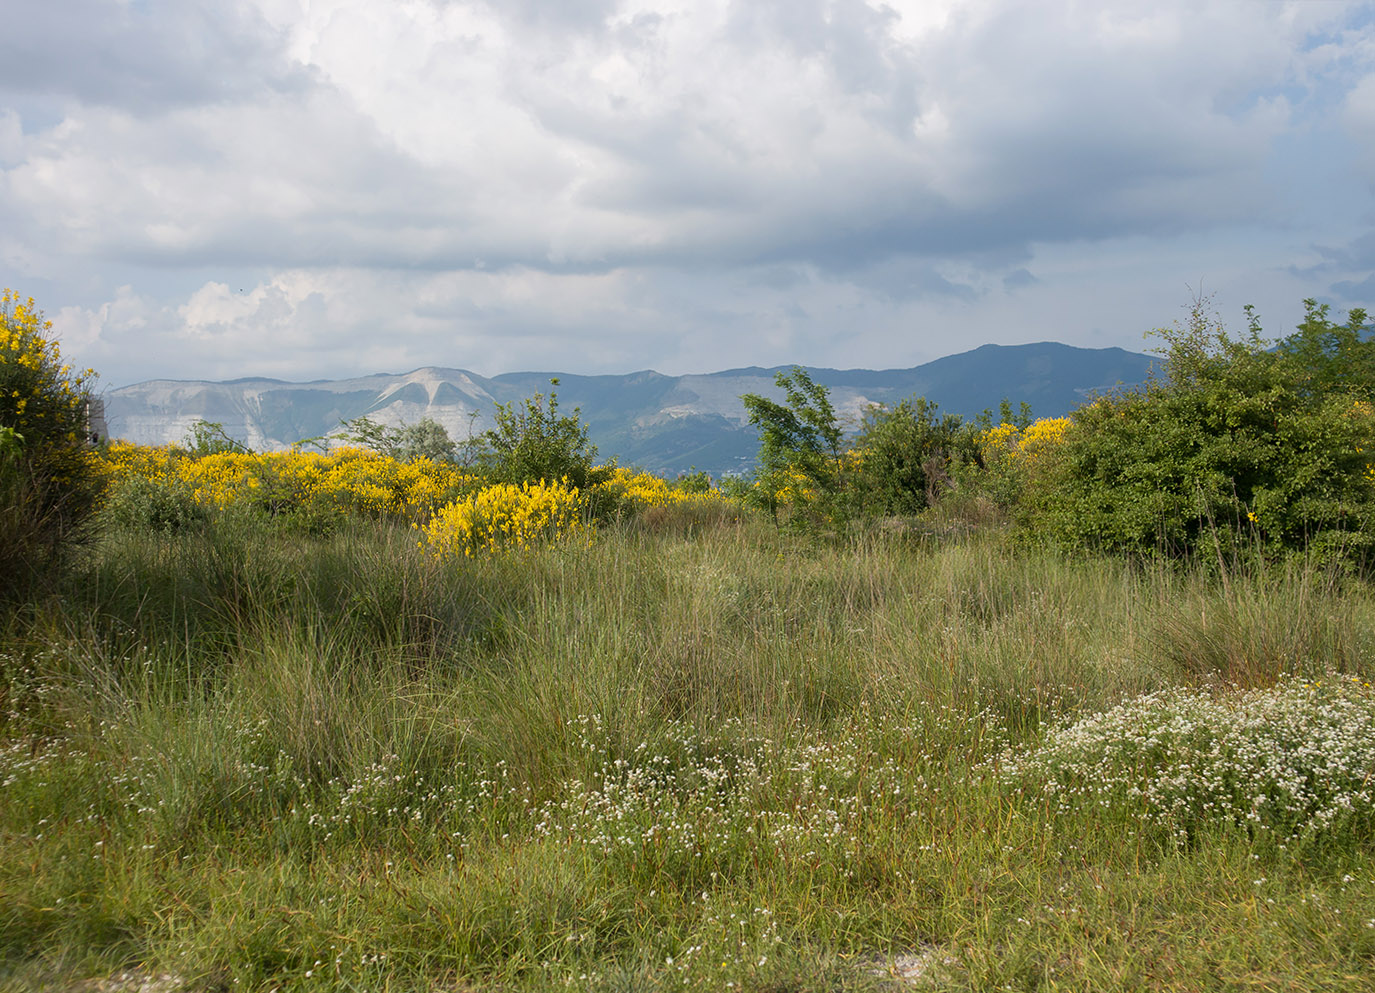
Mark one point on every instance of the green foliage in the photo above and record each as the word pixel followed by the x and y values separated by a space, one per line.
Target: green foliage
pixel 49 483
pixel 164 505
pixel 735 488
pixel 1021 419
pixel 367 433
pixel 802 438
pixel 1242 446
pixel 908 456
pixel 210 438
pixel 696 481
pixel 1326 357
pixel 11 446
pixel 426 439
pixel 532 441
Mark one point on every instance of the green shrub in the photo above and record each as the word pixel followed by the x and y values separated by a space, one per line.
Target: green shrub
pixel 907 457
pixel 49 481
pixel 1243 447
pixel 800 450
pixel 533 441
pixel 164 504
pixel 426 439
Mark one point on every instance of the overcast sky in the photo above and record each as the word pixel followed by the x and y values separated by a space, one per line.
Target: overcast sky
pixel 309 189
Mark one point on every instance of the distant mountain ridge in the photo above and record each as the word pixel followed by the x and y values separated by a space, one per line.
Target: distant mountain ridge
pixel 666 424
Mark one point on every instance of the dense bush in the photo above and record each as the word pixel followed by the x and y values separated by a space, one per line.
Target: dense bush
pixel 1241 446
pixel 161 504
pixel 906 457
pixel 533 442
pixel 505 517
pixel 49 482
pixel 903 459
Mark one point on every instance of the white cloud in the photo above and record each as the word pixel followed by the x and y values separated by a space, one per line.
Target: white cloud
pixel 291 186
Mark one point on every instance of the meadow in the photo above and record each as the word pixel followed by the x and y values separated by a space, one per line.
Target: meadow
pixel 683 755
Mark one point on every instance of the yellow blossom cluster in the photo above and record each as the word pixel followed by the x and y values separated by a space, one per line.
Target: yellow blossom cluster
pixel 790 487
pixel 40 398
pixel 348 480
pixel 631 492
pixel 459 513
pixel 637 490
pixel 1006 442
pixel 505 517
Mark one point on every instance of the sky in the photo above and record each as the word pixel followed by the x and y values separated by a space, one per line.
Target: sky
pixel 308 189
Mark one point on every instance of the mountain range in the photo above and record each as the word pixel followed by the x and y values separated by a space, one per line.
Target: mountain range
pixel 666 424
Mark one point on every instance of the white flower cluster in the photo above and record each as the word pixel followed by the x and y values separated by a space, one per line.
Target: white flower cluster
pixel 699 802
pixel 1294 761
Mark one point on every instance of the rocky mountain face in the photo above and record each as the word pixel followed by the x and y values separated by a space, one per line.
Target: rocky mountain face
pixel 666 424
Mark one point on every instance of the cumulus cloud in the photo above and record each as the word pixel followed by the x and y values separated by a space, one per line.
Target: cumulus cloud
pixel 624 182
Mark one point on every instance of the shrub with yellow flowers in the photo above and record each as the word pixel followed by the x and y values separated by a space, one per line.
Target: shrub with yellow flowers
pixel 379 486
pixel 506 517
pixel 628 492
pixel 146 490
pixel 49 484
pixel 1038 442
pixel 687 505
pixel 167 487
pixel 1020 457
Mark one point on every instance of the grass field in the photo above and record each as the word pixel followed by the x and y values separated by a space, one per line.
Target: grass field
pixel 727 758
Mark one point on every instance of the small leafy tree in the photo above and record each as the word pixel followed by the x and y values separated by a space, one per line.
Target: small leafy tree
pixel 802 438
pixel 367 433
pixel 532 441
pixel 210 438
pixel 49 480
pixel 693 481
pixel 1325 357
pixel 426 439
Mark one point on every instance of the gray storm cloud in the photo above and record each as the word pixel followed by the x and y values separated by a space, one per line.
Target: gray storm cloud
pixel 840 180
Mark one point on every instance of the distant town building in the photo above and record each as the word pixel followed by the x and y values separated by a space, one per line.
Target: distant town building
pixel 96 428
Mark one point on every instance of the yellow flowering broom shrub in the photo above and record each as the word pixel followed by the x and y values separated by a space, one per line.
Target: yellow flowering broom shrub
pixel 145 488
pixel 1038 442
pixel 658 504
pixel 1019 458
pixel 629 492
pixel 49 483
pixel 167 487
pixel 507 517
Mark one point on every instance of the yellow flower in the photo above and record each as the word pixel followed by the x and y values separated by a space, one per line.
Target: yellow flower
pixel 507 517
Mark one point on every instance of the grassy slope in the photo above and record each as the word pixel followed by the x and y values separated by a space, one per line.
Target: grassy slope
pixel 656 762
